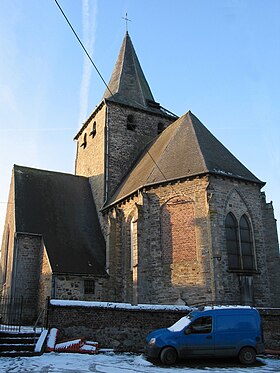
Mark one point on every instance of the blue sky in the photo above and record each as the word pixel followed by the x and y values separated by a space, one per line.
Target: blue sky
pixel 217 58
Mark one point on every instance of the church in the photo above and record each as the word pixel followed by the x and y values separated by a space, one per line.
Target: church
pixel 158 212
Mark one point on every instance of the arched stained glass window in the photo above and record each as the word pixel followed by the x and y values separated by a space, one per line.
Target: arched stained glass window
pixel 247 251
pixel 232 242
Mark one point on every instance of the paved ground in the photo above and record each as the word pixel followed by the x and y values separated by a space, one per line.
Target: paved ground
pixel 110 362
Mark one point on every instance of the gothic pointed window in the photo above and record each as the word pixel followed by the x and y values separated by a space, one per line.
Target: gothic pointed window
pixel 247 252
pixel 239 243
pixel 232 242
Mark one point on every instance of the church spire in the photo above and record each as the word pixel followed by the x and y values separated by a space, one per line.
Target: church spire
pixel 128 84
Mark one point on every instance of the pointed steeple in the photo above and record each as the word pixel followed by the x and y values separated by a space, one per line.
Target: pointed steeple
pixel 128 84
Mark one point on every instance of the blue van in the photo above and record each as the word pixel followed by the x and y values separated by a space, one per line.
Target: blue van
pixel 218 331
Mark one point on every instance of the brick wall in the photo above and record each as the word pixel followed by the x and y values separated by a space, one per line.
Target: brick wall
pixel 186 276
pixel 126 329
pixel 181 244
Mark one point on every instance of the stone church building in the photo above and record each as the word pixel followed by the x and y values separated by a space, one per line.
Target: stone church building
pixel 158 211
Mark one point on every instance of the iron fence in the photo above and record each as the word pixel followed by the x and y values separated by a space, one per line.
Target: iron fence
pixel 11 313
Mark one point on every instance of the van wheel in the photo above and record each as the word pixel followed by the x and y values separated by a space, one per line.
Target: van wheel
pixel 247 356
pixel 168 356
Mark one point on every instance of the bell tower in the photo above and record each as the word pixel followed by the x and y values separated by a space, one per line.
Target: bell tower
pixel 120 127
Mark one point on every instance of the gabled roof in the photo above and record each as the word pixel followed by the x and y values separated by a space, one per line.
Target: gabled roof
pixel 186 148
pixel 60 207
pixel 128 84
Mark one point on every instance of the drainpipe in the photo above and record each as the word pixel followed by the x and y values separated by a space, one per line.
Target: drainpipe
pixel 106 140
pixel 212 258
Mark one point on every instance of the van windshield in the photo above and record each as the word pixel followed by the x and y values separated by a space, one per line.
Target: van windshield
pixel 180 324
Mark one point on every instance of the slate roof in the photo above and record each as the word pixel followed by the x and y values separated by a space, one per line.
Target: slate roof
pixel 128 84
pixel 184 149
pixel 60 207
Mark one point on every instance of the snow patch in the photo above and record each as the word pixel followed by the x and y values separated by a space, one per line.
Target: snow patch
pixel 180 324
pixel 52 337
pixel 41 340
pixel 123 306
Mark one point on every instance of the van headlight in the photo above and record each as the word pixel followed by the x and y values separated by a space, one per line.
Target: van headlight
pixel 152 342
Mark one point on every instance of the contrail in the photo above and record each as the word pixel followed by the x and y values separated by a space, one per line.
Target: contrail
pixel 89 30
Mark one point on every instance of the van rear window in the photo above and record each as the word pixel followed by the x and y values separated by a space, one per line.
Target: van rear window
pixel 236 323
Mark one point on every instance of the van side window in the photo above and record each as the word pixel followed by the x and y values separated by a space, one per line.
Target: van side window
pixel 202 325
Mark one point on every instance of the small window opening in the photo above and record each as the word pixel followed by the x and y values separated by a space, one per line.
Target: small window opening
pixel 130 124
pixel 84 144
pixel 93 132
pixel 89 286
pixel 160 127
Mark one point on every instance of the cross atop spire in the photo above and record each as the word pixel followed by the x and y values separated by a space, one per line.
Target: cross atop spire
pixel 128 84
pixel 126 20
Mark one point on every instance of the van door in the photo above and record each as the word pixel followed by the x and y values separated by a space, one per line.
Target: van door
pixel 198 338
pixel 234 331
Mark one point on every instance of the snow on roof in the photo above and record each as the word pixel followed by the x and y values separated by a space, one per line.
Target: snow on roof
pixel 207 308
pixel 126 306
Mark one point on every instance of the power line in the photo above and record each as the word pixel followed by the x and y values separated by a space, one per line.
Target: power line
pixel 82 45
pixel 103 80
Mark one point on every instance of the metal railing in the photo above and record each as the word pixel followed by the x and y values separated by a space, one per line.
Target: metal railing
pixel 11 314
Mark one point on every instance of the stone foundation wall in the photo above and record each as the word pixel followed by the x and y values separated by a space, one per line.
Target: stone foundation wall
pixel 126 329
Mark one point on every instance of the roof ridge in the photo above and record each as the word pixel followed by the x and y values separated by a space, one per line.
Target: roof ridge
pixel 122 63
pixel 138 79
pixel 190 115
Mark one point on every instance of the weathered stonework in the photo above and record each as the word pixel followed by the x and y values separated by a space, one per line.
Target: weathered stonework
pixel 166 237
pixel 72 287
pixel 227 195
pixel 7 248
pixel 185 277
pixel 194 268
pixel 126 329
pixel 108 156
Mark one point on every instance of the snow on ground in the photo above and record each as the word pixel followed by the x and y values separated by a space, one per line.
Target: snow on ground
pixel 109 362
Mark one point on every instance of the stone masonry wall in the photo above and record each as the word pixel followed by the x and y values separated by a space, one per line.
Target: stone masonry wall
pixel 72 287
pixel 45 282
pixel 126 145
pixel 7 248
pixel 126 329
pixel 26 272
pixel 272 251
pixel 186 277
pixel 111 152
pixel 90 161
pixel 120 329
pixel 227 195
